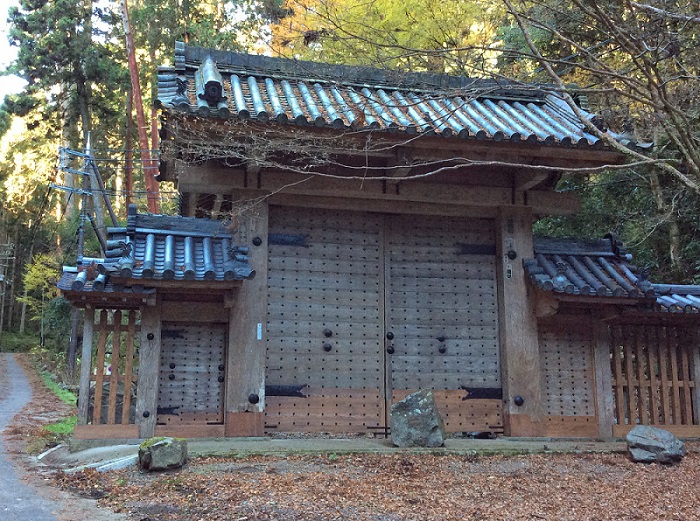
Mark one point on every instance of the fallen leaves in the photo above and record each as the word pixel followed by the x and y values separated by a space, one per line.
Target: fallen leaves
pixel 394 487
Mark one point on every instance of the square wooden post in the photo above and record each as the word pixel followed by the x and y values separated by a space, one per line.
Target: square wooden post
pixel 603 379
pixel 149 367
pixel 694 339
pixel 245 388
pixel 85 367
pixel 521 374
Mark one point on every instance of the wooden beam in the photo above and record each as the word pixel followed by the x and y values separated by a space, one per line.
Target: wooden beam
pixel 520 355
pixel 694 341
pixel 85 366
pixel 195 286
pixel 247 322
pixel 200 179
pixel 196 312
pixel 401 165
pixel 552 203
pixel 216 208
pixel 383 143
pixel 528 179
pixel 603 379
pixel 369 205
pixel 191 203
pixel 546 304
pixel 149 367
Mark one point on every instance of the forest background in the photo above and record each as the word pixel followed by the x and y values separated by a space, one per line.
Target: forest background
pixel 633 64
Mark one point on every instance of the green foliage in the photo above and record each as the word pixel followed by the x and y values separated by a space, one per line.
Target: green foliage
pixel 16 343
pixel 62 393
pixel 63 428
pixel 57 324
pixel 624 204
pixel 450 36
pixel 46 308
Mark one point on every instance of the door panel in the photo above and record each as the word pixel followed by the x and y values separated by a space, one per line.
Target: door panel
pixel 325 369
pixel 442 311
pixel 357 277
pixel 192 369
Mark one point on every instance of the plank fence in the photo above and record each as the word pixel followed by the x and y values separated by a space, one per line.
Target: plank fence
pixel 655 376
pixel 109 378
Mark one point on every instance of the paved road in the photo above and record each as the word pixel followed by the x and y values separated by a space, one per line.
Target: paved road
pixel 18 501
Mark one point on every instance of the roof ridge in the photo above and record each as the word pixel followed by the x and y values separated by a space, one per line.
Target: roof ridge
pixel 231 62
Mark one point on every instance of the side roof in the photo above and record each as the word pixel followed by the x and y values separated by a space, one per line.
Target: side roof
pixel 228 85
pixel 600 270
pixel 153 248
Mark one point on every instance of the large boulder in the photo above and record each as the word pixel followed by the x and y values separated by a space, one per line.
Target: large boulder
pixel 416 422
pixel 647 444
pixel 162 454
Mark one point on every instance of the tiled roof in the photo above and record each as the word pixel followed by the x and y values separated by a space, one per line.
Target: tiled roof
pixel 233 85
pixel 159 247
pixel 677 298
pixel 602 268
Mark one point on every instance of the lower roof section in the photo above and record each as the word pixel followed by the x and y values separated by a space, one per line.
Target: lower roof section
pixel 160 251
pixel 601 270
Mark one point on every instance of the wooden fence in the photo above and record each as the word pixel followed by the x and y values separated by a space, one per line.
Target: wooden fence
pixel 108 379
pixel 655 372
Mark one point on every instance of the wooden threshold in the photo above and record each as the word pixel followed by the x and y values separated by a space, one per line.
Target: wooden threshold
pixel 94 432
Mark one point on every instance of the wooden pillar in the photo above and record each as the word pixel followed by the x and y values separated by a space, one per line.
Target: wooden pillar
pixel 245 388
pixel 521 374
pixel 603 379
pixel 149 367
pixel 85 367
pixel 694 339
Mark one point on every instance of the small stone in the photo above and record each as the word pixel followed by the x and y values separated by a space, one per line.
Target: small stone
pixel 162 454
pixel 416 422
pixel 647 444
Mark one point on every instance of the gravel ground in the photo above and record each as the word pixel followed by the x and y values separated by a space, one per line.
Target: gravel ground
pixel 403 487
pixel 366 487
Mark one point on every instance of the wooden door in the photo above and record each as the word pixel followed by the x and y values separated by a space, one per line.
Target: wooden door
pixel 442 317
pixel 339 283
pixel 325 367
pixel 192 370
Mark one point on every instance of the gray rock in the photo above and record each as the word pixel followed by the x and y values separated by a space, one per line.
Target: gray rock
pixel 162 454
pixel 416 422
pixel 647 444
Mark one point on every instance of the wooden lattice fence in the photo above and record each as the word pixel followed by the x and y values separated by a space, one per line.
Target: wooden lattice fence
pixel 655 377
pixel 109 378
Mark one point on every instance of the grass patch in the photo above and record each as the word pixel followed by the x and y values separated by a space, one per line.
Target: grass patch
pixel 64 427
pixel 64 394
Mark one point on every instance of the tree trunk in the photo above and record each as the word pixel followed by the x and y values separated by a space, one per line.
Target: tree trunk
pixel 129 163
pixel 150 167
pixel 15 281
pixel 670 217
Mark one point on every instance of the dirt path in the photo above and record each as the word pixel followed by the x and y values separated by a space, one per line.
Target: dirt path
pixel 18 500
pixel 25 491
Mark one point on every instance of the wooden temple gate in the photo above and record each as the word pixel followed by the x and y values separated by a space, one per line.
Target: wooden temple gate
pixel 366 308
pixel 109 379
pixel 655 374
